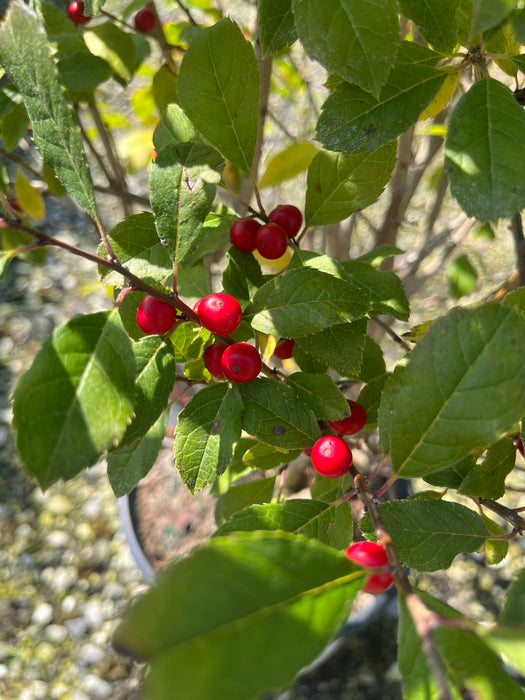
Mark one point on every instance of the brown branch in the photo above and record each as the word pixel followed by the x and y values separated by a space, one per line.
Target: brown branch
pixel 516 226
pixel 508 514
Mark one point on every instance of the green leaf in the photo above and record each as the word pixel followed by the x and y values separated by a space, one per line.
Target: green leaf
pixel 115 46
pixel 193 282
pixel 487 480
pixel 353 120
pixel 428 534
pixel 299 516
pixel 349 39
pixel 214 236
pixel 280 596
pixel 155 367
pixel 273 413
pixel 242 276
pixel 241 495
pixel 76 399
pixel 208 427
pixel 462 277
pixel 164 90
pixel 173 128
pixel 287 164
pixel 302 301
pixel 93 7
pixel 307 362
pixel 81 70
pixel 341 347
pixel 137 246
pixel 183 187
pixel 339 184
pixel 472 668
pixel 487 14
pixel 451 477
pixel 14 125
pixel 484 148
pixel 436 21
pixel 276 25
pixel 132 461
pixel 370 398
pixel 219 60
pixel 386 289
pixel 496 549
pixel 513 611
pixel 518 26
pixel 56 132
pixel 455 395
pixel 319 393
pixel 378 255
pixel 263 456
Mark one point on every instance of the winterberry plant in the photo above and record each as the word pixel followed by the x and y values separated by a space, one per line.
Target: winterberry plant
pixel 405 152
pixel 145 20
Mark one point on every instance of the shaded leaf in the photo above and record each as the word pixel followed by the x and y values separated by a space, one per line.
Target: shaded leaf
pixel 276 25
pixel 263 456
pixel 436 21
pixel 319 392
pixel 387 294
pixel 462 277
pixel 489 13
pixel 241 495
pixel 341 347
pixel 242 276
pixel 76 399
pixel 487 479
pixel 82 70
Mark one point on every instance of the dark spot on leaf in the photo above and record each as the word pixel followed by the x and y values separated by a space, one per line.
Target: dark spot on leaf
pixel 279 429
pixel 318 187
pixel 370 129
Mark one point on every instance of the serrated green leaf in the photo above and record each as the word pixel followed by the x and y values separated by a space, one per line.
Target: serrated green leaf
pixel 487 480
pixel 76 399
pixel 214 236
pixel 436 21
pixel 155 367
pixel 273 413
pixel 183 187
pixel 299 516
pixel 302 301
pixel 137 246
pixel 349 38
pixel 341 347
pixel 242 495
pixel 339 184
pixel 353 120
pixel 319 392
pixel 207 429
pixel 370 398
pixel 288 164
pixel 219 60
pixel 462 277
pixel 428 534
pixel 131 462
pixel 484 148
pixel 115 46
pixel 276 25
pixel 387 294
pixel 56 132
pixel 232 594
pixel 455 395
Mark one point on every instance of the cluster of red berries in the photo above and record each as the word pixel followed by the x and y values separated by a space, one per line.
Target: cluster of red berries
pixel 331 455
pixel 371 555
pixel 145 19
pixel 271 238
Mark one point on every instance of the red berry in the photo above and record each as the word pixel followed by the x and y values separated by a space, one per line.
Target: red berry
pixel 352 423
pixel 219 313
pixel 75 12
pixel 308 451
pixel 241 362
pixel 271 241
pixel 371 555
pixel 288 217
pixel 519 446
pixel 284 349
pixel 154 316
pixel 331 456
pixel 145 20
pixel 242 234
pixel 212 359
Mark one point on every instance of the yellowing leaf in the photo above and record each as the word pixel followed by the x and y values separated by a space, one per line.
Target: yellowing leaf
pixel 287 164
pixel 278 264
pixel 136 148
pixel 29 198
pixel 442 98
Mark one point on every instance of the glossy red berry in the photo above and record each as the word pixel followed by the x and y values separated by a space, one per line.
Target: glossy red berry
pixel 145 20
pixel 219 313
pixel 331 456
pixel 352 423
pixel 242 234
pixel 75 12
pixel 154 316
pixel 212 359
pixel 371 555
pixel 271 241
pixel 284 349
pixel 241 362
pixel 288 217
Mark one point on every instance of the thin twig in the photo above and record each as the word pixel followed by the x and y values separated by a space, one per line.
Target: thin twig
pixel 516 226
